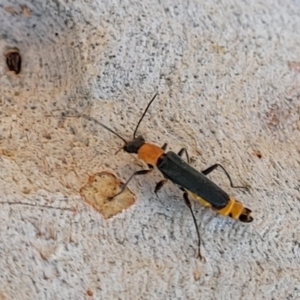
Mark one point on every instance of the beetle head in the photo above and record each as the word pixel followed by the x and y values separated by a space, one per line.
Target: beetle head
pixel 134 145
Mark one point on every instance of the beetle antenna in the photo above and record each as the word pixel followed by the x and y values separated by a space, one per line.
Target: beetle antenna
pixel 104 126
pixel 139 122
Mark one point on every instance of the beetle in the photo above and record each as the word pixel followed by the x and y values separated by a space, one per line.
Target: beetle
pixel 180 172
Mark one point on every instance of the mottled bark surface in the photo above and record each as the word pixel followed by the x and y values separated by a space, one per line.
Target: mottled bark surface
pixel 227 74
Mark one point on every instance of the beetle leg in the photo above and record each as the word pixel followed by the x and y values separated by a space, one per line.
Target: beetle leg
pixel 164 146
pixel 189 205
pixel 212 168
pixel 183 150
pixel 159 185
pixel 140 172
